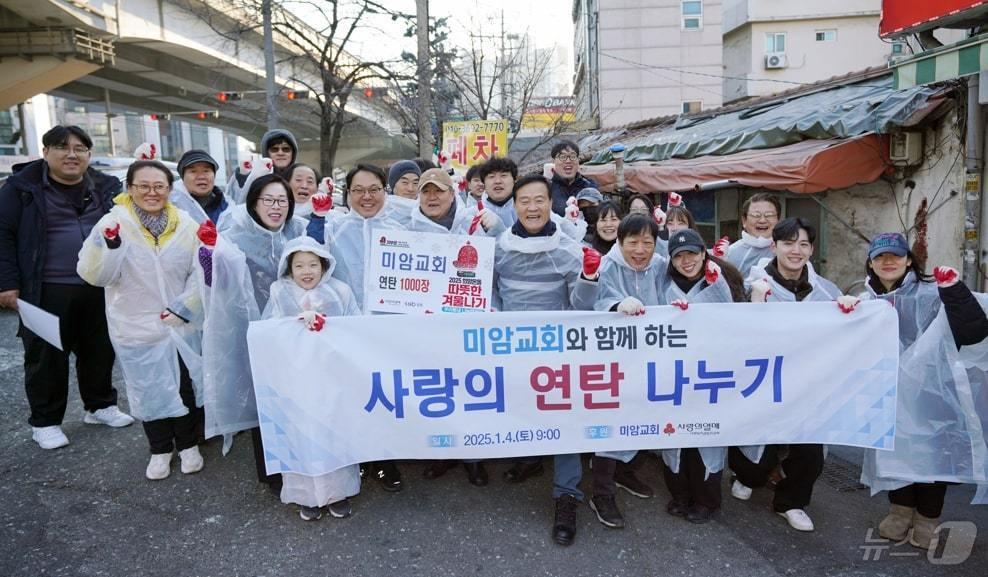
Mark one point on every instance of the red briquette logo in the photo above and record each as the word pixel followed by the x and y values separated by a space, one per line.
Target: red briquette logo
pixel 669 429
pixel 384 240
pixel 467 257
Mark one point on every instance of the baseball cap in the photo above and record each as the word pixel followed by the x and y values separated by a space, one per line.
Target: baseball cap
pixel 436 176
pixel 686 239
pixel 591 194
pixel 892 242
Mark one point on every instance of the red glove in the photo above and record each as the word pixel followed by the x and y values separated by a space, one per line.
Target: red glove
pixel 675 199
pixel 712 272
pixel 572 210
pixel 681 303
pixel 111 235
pixel 591 262
pixel 442 158
pixel 720 247
pixel 462 185
pixel 246 166
pixel 476 217
pixel 207 233
pixel 312 320
pixel 946 276
pixel 322 203
pixel 659 217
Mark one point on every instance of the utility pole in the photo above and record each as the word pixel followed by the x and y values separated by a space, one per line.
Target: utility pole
pixel 424 79
pixel 271 90
pixel 504 73
pixel 109 122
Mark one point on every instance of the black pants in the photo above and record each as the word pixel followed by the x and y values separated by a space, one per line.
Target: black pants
pixel 166 435
pixel 802 467
pixel 926 498
pixel 605 471
pixel 262 472
pixel 82 314
pixel 688 485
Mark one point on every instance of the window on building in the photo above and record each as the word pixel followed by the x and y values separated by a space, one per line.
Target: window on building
pixel 775 42
pixel 826 35
pixel 898 48
pixel 692 106
pixel 692 14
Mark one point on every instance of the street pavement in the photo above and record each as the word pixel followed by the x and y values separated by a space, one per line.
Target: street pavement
pixel 87 510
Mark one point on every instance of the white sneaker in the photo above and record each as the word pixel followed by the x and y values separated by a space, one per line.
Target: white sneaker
pixel 740 491
pixel 159 467
pixel 798 519
pixel 49 437
pixel 110 416
pixel 191 460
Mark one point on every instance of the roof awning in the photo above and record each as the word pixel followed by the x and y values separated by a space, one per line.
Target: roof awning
pixel 804 167
pixel 969 56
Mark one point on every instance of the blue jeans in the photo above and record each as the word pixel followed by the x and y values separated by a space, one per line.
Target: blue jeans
pixel 567 473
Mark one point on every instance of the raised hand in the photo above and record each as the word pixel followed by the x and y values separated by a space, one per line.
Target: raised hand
pixel 720 247
pixel 111 234
pixel 591 262
pixel 945 276
pixel 712 272
pixel 675 199
pixel 659 217
pixel 322 203
pixel 572 210
pixel 207 233
pixel 760 289
pixel 631 307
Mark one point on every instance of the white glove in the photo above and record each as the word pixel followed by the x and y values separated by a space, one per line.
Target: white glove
pixel 659 217
pixel 146 151
pixel 846 303
pixel 171 319
pixel 572 210
pixel 488 219
pixel 760 289
pixel 312 320
pixel 631 307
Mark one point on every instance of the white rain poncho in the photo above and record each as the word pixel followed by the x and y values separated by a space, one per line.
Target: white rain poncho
pixel 823 291
pixel 142 279
pixel 577 231
pixel 461 223
pixel 541 273
pixel 229 305
pixel 349 240
pixel 942 400
pixel 182 199
pixel 331 298
pixel 748 251
pixel 618 280
pixel 261 246
pixel 720 292
pixel 400 209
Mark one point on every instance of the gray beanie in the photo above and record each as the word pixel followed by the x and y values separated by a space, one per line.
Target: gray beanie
pixel 401 168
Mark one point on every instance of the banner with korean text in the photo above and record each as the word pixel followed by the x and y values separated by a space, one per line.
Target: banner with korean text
pixel 509 384
pixel 471 142
pixel 424 272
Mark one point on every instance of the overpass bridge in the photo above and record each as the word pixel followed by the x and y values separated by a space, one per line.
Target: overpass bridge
pixel 174 57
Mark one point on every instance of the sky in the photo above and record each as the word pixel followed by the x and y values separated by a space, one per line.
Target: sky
pixel 548 22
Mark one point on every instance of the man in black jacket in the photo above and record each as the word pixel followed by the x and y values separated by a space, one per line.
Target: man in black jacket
pixel 47 209
pixel 566 178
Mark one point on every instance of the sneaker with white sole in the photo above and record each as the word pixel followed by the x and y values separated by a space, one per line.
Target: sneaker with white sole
pixel 798 519
pixel 340 509
pixel 49 437
pixel 159 467
pixel 191 460
pixel 740 491
pixel 110 416
pixel 310 513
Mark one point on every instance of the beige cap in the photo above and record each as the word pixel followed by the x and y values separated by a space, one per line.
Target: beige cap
pixel 436 176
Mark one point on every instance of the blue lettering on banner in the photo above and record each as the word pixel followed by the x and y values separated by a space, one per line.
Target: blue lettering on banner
pixel 597 432
pixel 713 381
pixel 762 365
pixel 435 390
pixel 441 441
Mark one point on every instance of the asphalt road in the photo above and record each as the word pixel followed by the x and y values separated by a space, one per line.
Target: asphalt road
pixel 87 510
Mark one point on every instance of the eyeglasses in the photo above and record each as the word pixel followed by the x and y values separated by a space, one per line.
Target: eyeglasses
pixel 372 191
pixel 761 215
pixel 63 149
pixel 282 148
pixel 270 201
pixel 567 157
pixel 158 188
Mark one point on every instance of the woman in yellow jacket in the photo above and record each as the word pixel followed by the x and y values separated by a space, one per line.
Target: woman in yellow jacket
pixel 144 253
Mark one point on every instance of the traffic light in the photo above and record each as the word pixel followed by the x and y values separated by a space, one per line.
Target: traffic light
pixel 297 94
pixel 157 117
pixel 375 92
pixel 368 92
pixel 229 96
pixel 203 115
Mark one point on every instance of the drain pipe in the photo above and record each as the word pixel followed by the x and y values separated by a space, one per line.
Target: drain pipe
pixel 972 186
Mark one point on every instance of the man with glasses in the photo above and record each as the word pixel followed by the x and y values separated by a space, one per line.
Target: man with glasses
pixel 760 213
pixel 48 207
pixel 566 178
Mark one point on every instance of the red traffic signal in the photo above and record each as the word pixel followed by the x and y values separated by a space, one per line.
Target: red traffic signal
pixel 157 117
pixel 369 92
pixel 297 94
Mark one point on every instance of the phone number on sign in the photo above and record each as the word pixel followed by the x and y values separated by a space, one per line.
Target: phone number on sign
pixel 522 436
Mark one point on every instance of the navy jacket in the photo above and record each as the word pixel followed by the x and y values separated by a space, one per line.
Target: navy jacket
pixel 560 191
pixel 23 223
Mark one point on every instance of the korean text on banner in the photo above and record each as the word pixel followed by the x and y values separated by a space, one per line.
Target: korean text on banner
pixel 422 272
pixel 511 384
pixel 474 141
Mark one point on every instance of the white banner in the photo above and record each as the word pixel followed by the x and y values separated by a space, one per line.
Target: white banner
pixel 417 272
pixel 511 384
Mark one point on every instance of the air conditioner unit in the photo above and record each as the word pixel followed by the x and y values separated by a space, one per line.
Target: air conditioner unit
pixel 776 60
pixel 906 148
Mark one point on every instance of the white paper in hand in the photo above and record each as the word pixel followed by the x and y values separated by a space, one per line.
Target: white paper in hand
pixel 40 322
